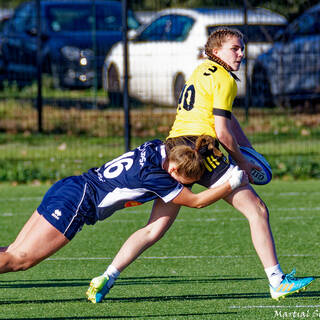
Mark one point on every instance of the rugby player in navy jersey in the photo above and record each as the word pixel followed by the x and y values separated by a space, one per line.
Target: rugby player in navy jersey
pixel 146 173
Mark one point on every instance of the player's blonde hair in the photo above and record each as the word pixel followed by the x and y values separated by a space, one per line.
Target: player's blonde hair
pixel 219 36
pixel 188 159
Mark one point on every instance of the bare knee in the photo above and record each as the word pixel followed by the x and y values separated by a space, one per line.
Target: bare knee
pixel 260 211
pixel 12 262
pixel 155 233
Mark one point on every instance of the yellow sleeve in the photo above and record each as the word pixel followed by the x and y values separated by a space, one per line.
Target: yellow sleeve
pixel 224 92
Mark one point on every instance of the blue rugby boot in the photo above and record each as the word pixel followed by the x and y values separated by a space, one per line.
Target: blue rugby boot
pixel 290 285
pixel 98 289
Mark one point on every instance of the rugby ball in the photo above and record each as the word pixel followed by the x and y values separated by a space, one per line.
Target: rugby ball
pixel 261 177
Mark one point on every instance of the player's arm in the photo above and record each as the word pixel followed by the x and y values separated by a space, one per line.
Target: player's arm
pixel 238 133
pixel 225 135
pixel 202 199
pixel 228 140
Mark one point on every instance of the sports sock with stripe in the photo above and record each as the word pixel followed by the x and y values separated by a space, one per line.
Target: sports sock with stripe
pixel 275 275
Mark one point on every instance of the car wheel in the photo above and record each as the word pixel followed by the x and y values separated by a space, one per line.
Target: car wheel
pixel 261 89
pixel 113 86
pixel 178 84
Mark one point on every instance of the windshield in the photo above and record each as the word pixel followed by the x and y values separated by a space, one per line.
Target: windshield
pixel 83 18
pixel 167 28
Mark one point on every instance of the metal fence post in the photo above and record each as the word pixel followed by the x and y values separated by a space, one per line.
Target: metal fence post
pixel 126 103
pixel 248 90
pixel 39 67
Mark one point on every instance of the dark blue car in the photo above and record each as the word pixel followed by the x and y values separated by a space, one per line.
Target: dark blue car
pixel 76 36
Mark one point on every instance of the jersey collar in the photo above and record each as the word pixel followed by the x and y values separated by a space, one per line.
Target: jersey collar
pixel 163 154
pixel 223 64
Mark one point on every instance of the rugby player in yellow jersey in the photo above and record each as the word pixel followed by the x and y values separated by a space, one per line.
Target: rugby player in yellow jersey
pixel 205 107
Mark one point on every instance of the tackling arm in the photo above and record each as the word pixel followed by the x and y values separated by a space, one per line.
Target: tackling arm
pixel 202 199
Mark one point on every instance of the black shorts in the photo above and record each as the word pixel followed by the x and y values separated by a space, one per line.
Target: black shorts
pixel 216 163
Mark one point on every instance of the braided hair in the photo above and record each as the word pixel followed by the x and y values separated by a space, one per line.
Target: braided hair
pixel 189 158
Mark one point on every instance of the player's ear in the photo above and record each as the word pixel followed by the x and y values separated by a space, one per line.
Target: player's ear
pixel 172 169
pixel 215 51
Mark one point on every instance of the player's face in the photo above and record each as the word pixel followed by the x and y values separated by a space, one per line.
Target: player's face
pixel 180 178
pixel 231 52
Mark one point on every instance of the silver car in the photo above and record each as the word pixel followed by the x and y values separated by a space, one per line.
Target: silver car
pixel 289 72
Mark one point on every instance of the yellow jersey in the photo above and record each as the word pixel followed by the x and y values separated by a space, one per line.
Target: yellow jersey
pixel 209 91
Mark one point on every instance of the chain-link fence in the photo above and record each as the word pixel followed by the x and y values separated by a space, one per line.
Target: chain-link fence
pixel 65 66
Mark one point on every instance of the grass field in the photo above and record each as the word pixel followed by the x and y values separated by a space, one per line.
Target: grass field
pixel 204 268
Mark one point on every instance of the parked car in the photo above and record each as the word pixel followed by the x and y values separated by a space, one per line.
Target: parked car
pixel 165 51
pixel 76 36
pixel 5 15
pixel 289 72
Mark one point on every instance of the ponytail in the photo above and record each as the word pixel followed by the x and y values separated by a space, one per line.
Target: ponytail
pixel 189 157
pixel 206 145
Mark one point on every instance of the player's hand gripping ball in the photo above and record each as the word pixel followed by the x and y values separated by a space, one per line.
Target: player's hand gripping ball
pixel 261 177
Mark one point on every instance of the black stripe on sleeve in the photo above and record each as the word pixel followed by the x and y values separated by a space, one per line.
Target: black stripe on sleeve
pixel 221 112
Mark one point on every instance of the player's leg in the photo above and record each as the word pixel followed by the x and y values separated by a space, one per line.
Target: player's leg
pixel 37 240
pixel 28 226
pixel 161 218
pixel 253 208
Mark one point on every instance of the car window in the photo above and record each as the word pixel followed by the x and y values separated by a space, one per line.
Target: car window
pixel 307 24
pixel 20 22
pixel 167 28
pixel 82 18
pixel 256 33
pixel 133 23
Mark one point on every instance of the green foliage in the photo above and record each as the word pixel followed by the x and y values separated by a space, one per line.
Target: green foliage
pixel 29 158
pixel 25 159
pixel 293 168
pixel 28 171
pixel 76 140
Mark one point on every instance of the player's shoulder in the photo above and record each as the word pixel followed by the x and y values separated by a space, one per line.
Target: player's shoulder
pixel 155 143
pixel 210 69
pixel 150 152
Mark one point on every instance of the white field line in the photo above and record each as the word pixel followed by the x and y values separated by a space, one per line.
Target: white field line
pixel 178 257
pixel 22 199
pixel 274 307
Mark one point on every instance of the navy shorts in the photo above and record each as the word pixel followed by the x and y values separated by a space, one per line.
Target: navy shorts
pixel 67 205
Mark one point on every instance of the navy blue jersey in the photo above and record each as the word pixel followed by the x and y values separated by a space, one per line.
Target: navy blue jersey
pixel 132 179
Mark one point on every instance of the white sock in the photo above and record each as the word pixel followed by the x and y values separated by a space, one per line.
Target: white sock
pixel 113 273
pixel 275 275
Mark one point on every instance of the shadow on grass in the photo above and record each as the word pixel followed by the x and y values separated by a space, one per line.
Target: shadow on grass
pixel 162 280
pixel 165 280
pixel 189 297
